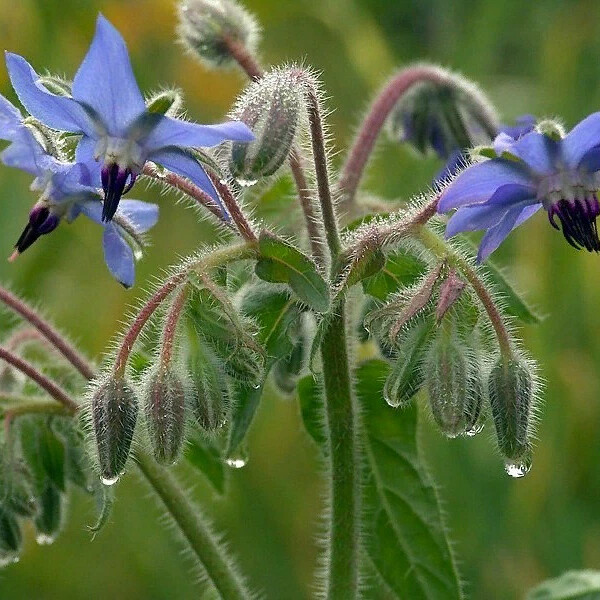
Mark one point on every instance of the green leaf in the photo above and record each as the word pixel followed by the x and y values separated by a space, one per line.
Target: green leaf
pixel 515 305
pixel 311 409
pixel 400 270
pixel 246 401
pixel 281 262
pixel 205 456
pixel 572 585
pixel 407 545
pixel 352 269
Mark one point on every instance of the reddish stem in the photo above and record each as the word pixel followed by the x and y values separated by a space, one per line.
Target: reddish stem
pixel 68 351
pixel 141 319
pixel 44 382
pixel 378 113
pixel 171 326
pixel 244 59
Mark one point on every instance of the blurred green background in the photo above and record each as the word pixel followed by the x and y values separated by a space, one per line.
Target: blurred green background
pixel 538 57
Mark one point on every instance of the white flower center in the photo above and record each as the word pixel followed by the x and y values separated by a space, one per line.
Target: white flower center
pixel 126 153
pixel 567 185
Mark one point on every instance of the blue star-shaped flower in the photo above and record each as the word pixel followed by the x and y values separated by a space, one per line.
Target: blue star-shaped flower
pixel 529 173
pixel 66 190
pixel 108 110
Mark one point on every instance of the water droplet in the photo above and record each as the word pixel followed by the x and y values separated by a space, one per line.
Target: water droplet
pixel 477 428
pixel 518 468
pixel 109 480
pixel 236 463
pixel 43 539
pixel 256 386
pixel 247 182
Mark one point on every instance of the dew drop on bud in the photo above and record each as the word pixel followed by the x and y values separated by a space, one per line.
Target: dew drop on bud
pixel 475 430
pixel 43 539
pixel 518 469
pixel 237 460
pixel 109 480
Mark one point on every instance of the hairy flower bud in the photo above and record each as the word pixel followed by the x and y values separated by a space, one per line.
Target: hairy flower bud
pixel 167 102
pixel 447 378
pixel 511 385
pixel 450 291
pixel 114 415
pixel 210 28
pixel 164 404
pixel 271 108
pixel 445 113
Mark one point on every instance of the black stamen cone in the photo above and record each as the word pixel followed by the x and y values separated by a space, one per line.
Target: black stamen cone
pixel 41 221
pixel 114 182
pixel 578 222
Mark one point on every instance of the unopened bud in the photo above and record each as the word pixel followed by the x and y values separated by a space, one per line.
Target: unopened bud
pixel 271 108
pixel 510 387
pixel 165 413
pixel 49 518
pixel 210 28
pixel 443 112
pixel 10 538
pixel 167 102
pixel 446 374
pixel 450 291
pixel 552 129
pixel 114 414
pixel 210 399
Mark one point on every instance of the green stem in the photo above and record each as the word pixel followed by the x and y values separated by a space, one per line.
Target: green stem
pixel 442 250
pixel 195 529
pixel 345 502
pixel 340 404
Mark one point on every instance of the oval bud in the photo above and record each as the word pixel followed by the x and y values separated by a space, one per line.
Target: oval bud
pixel 450 291
pixel 164 405
pixel 167 102
pixel 510 386
pixel 447 383
pixel 211 28
pixel 49 518
pixel 10 534
pixel 271 108
pixel 443 112
pixel 114 414
pixel 210 400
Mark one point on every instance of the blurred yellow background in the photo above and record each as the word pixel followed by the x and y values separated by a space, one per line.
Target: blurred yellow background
pixel 531 57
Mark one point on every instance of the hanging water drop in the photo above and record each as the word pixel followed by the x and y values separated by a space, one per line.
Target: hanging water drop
pixel 518 468
pixel 43 539
pixel 109 480
pixel 237 461
pixel 477 428
pixel 247 182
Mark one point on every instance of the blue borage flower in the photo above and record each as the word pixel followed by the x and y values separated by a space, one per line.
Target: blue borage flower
pixel 108 110
pixel 529 173
pixel 66 191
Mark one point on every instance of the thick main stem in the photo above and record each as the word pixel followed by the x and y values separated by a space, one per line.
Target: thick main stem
pixel 340 406
pixel 195 529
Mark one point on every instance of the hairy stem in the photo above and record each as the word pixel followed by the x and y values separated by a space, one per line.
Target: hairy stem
pixel 340 404
pixel 370 128
pixel 170 330
pixel 187 187
pixel 436 245
pixel 217 257
pixel 42 380
pixel 210 553
pixel 26 405
pixel 57 340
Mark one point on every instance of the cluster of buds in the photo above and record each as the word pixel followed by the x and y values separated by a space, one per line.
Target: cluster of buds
pixel 433 334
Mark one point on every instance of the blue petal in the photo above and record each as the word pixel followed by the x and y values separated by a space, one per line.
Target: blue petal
pixel 84 154
pixel 183 163
pixel 58 112
pixel 581 139
pixel 484 216
pixel 538 151
pixel 70 180
pixel 105 80
pixel 118 256
pixel 141 215
pixel 498 233
pixel 591 160
pixel 10 119
pixel 92 210
pixel 477 183
pixel 174 132
pixel 26 153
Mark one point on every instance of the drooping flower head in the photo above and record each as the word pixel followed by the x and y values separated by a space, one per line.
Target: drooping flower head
pixel 66 191
pixel 109 111
pixel 537 170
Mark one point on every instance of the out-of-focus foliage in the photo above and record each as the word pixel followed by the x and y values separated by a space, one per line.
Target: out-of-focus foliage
pixel 531 57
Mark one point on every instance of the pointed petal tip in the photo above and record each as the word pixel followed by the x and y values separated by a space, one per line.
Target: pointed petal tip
pixel 14 256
